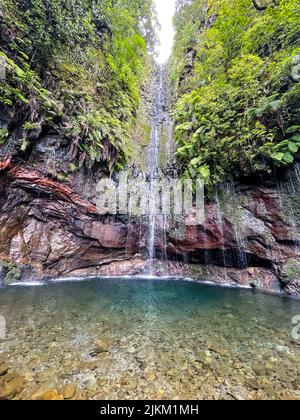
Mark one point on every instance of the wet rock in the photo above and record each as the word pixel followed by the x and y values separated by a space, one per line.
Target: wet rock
pixel 131 350
pixel 172 372
pixel 38 394
pixel 64 236
pixel 48 142
pixel 103 346
pixel 290 276
pixel 258 368
pixel 34 134
pixel 270 390
pixel 283 349
pixel 252 383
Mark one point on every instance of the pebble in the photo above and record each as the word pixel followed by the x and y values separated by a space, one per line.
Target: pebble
pixel 52 395
pixel 10 385
pixel 102 346
pixel 131 350
pixel 252 383
pixel 258 368
pixel 150 376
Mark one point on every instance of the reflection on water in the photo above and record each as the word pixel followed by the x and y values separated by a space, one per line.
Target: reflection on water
pixel 150 339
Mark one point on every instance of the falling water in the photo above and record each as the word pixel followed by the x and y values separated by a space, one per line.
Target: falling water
pixel 288 192
pixel 233 207
pixel 219 221
pixel 154 149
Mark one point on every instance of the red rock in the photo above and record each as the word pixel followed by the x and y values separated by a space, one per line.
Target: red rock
pixel 4 164
pixel 47 225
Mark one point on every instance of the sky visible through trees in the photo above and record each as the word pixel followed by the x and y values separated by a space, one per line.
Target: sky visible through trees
pixel 165 12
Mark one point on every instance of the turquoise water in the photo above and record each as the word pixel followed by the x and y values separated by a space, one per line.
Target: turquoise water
pixel 150 339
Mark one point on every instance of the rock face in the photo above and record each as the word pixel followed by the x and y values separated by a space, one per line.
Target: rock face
pixel 249 237
pixel 45 225
pixel 255 231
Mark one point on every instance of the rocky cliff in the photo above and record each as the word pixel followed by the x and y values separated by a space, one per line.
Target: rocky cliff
pixel 249 236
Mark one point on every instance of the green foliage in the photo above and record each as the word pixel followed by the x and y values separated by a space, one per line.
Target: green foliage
pixel 237 108
pixel 290 272
pixel 76 66
pixel 3 135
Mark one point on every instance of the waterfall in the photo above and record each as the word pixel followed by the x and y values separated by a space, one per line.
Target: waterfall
pixel 219 220
pixel 158 118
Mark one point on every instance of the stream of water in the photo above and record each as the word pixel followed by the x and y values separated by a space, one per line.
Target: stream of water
pixel 153 170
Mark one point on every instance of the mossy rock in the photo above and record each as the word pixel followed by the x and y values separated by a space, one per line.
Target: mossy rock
pixel 10 272
pixel 291 272
pixel 256 283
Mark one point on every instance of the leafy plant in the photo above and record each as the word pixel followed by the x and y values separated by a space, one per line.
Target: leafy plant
pixel 4 133
pixel 77 66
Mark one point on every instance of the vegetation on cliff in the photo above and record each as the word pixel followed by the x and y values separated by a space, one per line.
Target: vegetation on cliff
pixel 75 67
pixel 237 84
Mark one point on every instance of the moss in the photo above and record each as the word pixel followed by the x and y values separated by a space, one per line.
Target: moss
pixel 62 177
pixel 291 272
pixel 73 167
pixel 12 272
pixel 3 135
pixel 196 271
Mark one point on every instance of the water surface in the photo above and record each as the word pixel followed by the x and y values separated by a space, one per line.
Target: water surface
pixel 151 339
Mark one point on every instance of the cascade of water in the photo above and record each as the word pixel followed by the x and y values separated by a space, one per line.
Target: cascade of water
pixel 297 173
pixel 287 192
pixel 219 221
pixel 154 149
pixel 232 201
pixel 50 161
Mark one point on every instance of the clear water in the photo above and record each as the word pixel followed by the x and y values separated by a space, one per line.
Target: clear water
pixel 163 339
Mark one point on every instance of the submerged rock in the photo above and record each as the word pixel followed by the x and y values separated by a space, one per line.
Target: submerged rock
pixel 103 346
pixel 69 391
pixel 11 385
pixel 150 376
pixel 52 395
pixel 4 367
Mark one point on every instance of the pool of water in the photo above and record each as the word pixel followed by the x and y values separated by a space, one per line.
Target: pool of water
pixel 149 339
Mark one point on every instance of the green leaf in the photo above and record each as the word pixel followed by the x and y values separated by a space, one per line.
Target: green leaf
pixel 184 127
pixel 293 129
pixel 281 145
pixel 288 157
pixel 278 156
pixel 275 105
pixel 296 138
pixel 204 171
pixel 195 162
